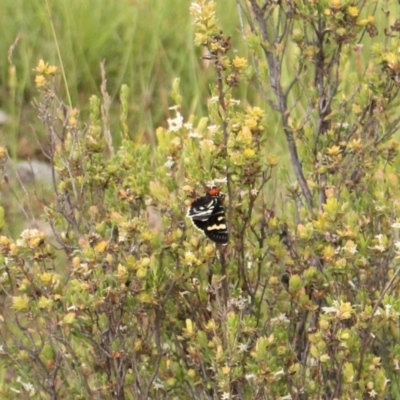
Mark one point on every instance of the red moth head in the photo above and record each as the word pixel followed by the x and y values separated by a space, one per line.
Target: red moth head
pixel 215 191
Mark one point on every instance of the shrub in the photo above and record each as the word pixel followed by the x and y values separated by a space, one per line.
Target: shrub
pixel 131 302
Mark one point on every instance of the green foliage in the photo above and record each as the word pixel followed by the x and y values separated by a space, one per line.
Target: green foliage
pixel 146 57
pixel 301 304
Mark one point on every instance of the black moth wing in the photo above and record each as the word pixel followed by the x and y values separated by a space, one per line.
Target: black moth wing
pixel 215 228
pixel 208 215
pixel 203 208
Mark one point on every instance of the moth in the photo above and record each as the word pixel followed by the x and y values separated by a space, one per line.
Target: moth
pixel 208 215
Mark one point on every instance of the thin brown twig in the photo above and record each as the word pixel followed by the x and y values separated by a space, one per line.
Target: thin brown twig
pixel 274 66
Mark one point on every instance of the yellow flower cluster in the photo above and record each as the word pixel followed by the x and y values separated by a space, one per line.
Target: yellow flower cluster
pixel 31 238
pixel 244 143
pixel 392 60
pixel 7 247
pixel 43 70
pixel 239 63
pixel 205 21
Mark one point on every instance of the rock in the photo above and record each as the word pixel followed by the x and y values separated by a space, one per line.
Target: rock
pixel 3 117
pixel 32 172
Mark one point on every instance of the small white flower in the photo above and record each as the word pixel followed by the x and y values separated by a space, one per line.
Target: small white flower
pixel 176 123
pixel 332 309
pixel 169 163
pixel 372 393
pixel 158 385
pixel 195 282
pixel 378 247
pixel 243 347
pixel 250 376
pixel 30 233
pixel 235 101
pixel 188 126
pixel 387 309
pixel 343 125
pixel 225 396
pixel 220 180
pixel 212 128
pixel 281 318
pixel 254 192
pixel 241 303
pixel 27 386
pixel 72 308
pixel 121 238
pixel 329 310
pixel 195 135
pixel 352 250
pixel 396 225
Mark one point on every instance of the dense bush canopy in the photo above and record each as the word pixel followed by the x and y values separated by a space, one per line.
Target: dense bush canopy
pixel 126 300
